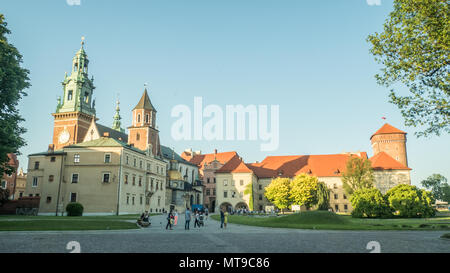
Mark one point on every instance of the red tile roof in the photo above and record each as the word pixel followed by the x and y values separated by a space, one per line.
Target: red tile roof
pixel 201 159
pixel 383 161
pixel 235 165
pixel 290 166
pixel 388 129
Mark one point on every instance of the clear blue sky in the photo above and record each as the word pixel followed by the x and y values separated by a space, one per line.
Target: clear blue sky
pixel 309 57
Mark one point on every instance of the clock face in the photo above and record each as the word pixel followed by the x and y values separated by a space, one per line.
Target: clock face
pixel 64 137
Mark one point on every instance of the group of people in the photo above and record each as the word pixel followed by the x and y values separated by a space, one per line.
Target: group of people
pixel 199 217
pixel 172 218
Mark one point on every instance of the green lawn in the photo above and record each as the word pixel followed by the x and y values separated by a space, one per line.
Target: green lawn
pixel 330 221
pixel 48 223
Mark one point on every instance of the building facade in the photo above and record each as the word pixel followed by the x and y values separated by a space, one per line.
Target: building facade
pixel 235 177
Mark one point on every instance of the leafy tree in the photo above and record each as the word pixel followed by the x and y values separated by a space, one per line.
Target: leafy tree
pixel 278 192
pixel 13 80
pixel 323 196
pixel 249 190
pixel 438 186
pixel 409 201
pixel 304 190
pixel 414 51
pixel 358 175
pixel 4 195
pixel 369 203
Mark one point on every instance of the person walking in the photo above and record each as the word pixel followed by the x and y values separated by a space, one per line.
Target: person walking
pixel 175 220
pixel 197 216
pixel 222 218
pixel 169 220
pixel 187 216
pixel 225 219
pixel 206 213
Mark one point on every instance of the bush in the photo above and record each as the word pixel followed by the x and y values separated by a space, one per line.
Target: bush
pixel 409 201
pixel 74 209
pixel 369 203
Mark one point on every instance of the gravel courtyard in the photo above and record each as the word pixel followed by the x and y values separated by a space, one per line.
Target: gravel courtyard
pixel 212 239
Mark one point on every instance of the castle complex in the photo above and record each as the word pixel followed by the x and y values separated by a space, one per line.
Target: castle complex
pixel 110 171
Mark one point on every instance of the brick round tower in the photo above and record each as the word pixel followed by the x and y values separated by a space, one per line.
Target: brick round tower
pixel 392 141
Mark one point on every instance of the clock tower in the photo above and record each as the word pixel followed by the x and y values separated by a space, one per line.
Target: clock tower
pixel 75 110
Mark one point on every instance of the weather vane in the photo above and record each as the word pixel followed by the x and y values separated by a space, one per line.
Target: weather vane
pixel 82 40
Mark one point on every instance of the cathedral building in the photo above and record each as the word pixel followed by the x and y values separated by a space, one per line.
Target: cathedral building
pixel 389 164
pixel 105 169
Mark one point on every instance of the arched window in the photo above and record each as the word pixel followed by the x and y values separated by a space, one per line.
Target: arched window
pixel 139 118
pixel 146 118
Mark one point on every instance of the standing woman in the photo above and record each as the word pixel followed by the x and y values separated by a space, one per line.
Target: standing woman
pixel 225 219
pixel 175 218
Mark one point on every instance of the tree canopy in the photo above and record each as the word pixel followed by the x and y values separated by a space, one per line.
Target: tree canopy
pixel 304 190
pixel 358 175
pixel 279 192
pixel 439 187
pixel 13 81
pixel 413 50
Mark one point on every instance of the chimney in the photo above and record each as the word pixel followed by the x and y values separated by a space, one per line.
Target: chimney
pixel 106 134
pixel 51 148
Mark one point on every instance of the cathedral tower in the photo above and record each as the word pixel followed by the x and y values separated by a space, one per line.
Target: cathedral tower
pixel 75 110
pixel 143 131
pixel 392 141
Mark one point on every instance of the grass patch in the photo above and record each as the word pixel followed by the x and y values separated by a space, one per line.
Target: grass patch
pixel 60 223
pixel 50 225
pixel 331 221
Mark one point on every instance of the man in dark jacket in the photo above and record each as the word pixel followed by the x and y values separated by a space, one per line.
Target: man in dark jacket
pixel 222 218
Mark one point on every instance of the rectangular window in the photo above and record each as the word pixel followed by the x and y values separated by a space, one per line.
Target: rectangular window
pixel 225 194
pixel 106 178
pixel 260 197
pixel 4 184
pixel 128 200
pixel 214 192
pixel 127 160
pixel 232 182
pixel 148 166
pixel 214 180
pixel 134 180
pixel 70 94
pixel 126 179
pixel 74 178
pixel 140 181
pixel 345 196
pixel 345 207
pixel 335 186
pixel 76 158
pixel 336 208
pixel 107 158
pixel 134 162
pixel 241 182
pixel 140 164
pixel 51 178
pixel 36 165
pixel 208 192
pixel 336 196
pixel 132 200
pixel 35 182
pixel 225 182
pixel 260 187
pixel 140 199
pixel 73 197
pixel 52 159
pixel 207 180
pixel 49 199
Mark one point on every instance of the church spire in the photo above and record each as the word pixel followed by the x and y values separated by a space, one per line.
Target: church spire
pixel 78 88
pixel 117 118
